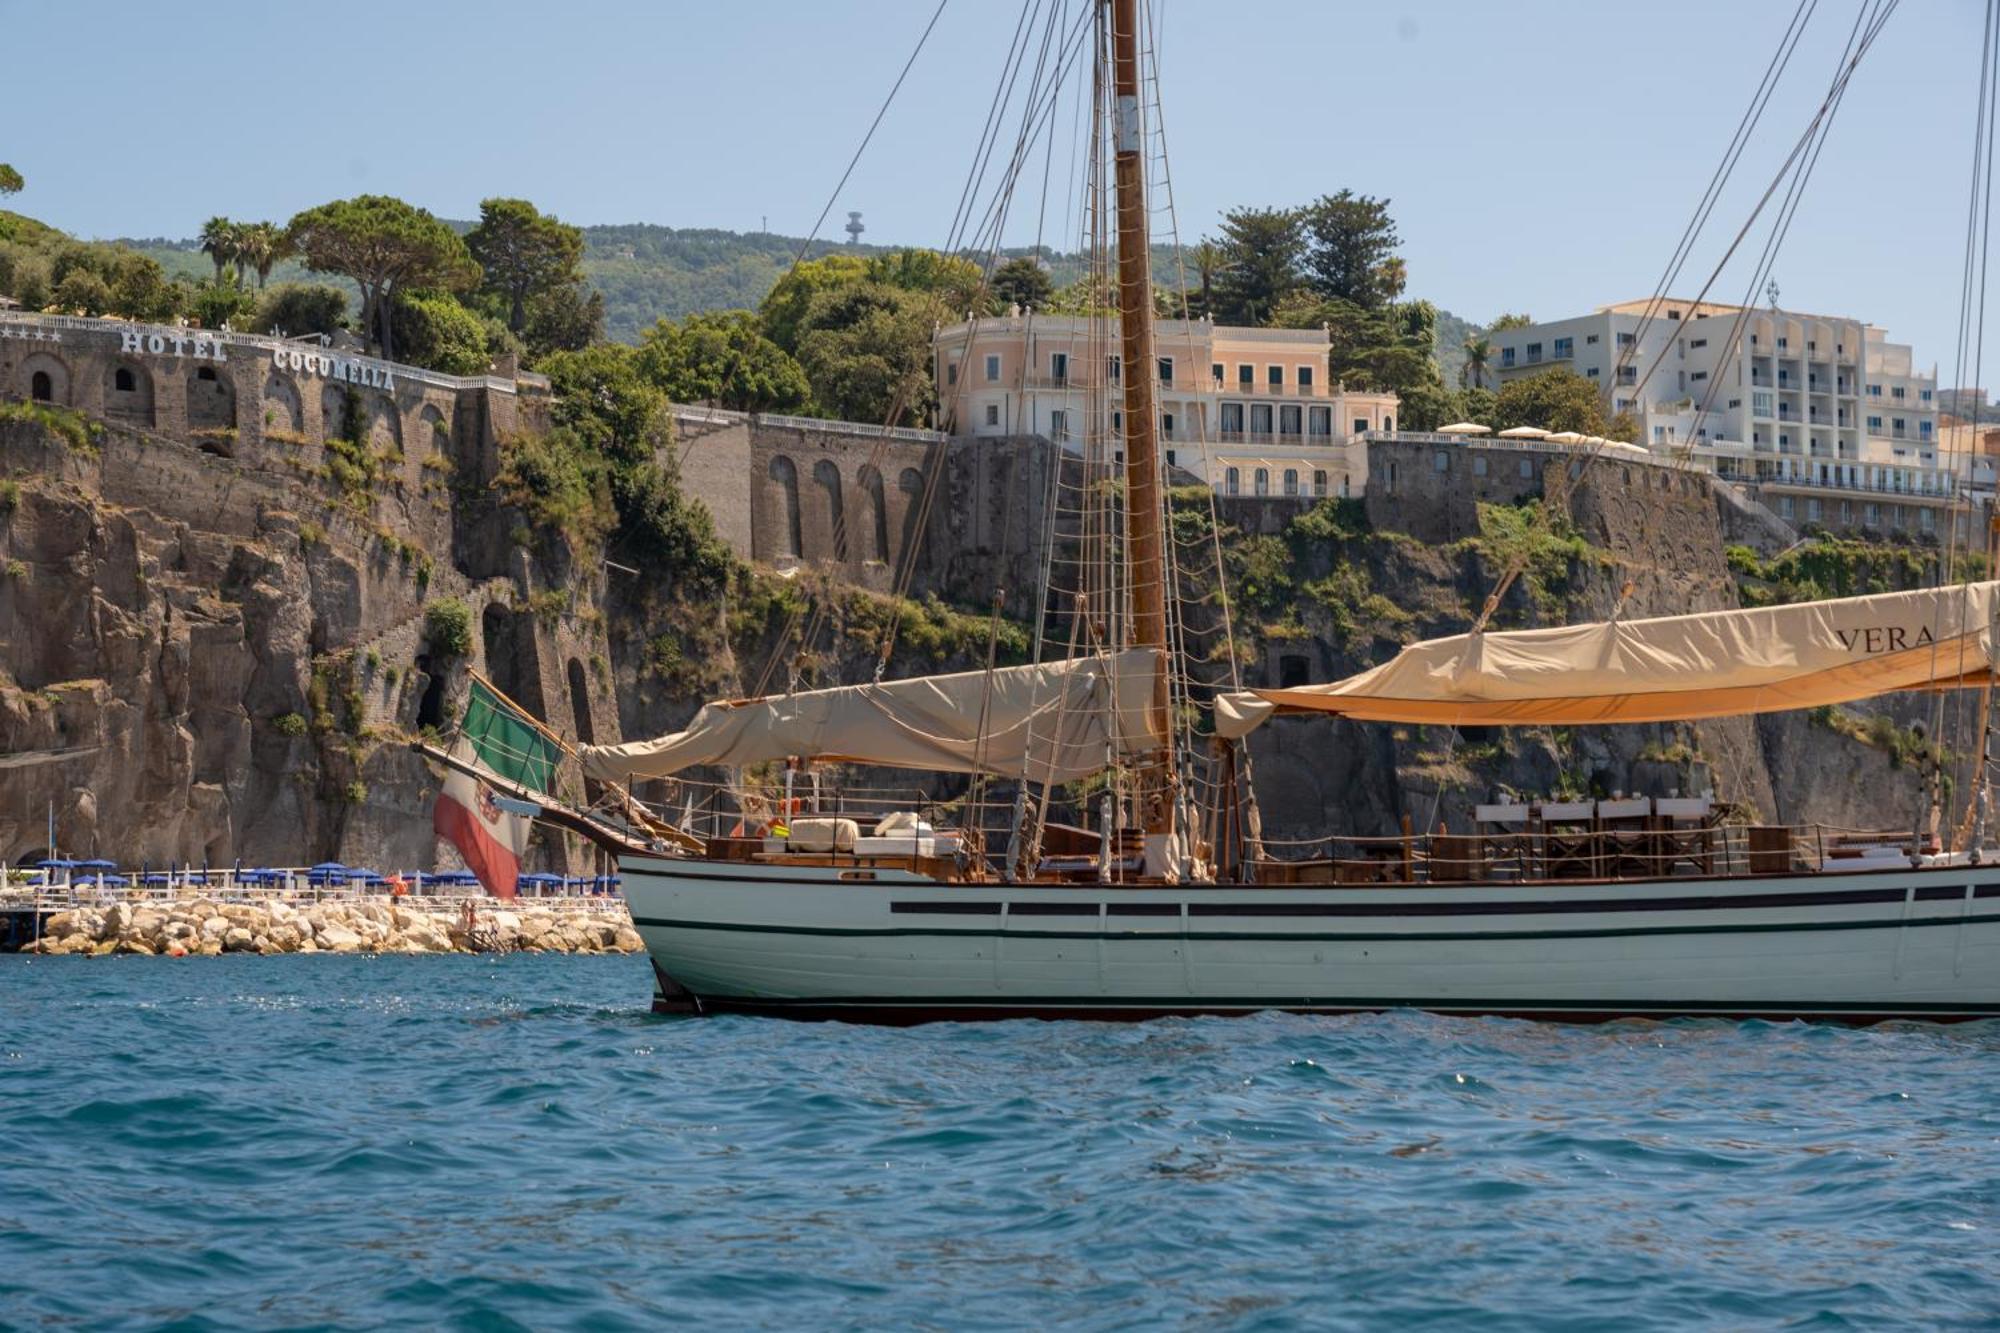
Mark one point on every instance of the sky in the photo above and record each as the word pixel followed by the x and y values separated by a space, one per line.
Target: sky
pixel 1541 156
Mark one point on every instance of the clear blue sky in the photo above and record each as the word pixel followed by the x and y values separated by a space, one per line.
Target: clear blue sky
pixel 1541 156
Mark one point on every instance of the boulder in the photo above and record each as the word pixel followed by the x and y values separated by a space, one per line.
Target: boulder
pixel 147 922
pixel 339 939
pixel 628 940
pixel 117 922
pixel 238 940
pixel 214 927
pixel 133 946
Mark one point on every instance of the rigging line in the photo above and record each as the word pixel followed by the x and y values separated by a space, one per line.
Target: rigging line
pixel 1864 31
pixel 1745 127
pixel 975 170
pixel 873 125
pixel 1972 328
pixel 1787 211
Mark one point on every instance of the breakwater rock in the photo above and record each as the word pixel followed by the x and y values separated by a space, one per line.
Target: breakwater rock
pixel 203 926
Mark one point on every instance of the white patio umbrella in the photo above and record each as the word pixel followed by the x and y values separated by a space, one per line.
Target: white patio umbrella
pixel 1524 433
pixel 1465 428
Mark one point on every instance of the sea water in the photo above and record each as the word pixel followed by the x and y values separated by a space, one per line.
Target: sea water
pixel 515 1142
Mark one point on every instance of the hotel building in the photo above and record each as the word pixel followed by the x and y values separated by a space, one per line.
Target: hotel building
pixel 1832 423
pixel 1248 411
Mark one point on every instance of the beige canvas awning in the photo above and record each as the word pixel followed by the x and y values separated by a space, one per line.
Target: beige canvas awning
pixel 1465 428
pixel 1716 664
pixel 1055 723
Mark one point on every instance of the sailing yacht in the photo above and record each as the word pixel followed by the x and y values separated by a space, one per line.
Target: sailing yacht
pixel 814 903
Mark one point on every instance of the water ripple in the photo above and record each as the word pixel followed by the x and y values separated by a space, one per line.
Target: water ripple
pixel 500 1143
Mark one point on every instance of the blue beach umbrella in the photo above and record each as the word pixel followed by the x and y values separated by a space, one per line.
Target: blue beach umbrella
pixel 58 863
pixel 97 864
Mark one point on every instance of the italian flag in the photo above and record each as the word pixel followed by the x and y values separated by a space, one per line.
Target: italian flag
pixel 498 739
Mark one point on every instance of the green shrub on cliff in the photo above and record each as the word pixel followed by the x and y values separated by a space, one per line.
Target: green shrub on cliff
pixel 448 627
pixel 78 432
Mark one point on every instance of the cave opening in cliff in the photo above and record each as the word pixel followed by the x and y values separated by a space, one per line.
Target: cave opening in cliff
pixel 430 708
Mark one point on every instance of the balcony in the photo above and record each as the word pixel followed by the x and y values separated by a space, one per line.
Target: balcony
pixel 1257 390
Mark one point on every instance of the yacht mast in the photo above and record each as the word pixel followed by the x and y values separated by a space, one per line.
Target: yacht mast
pixel 1147 578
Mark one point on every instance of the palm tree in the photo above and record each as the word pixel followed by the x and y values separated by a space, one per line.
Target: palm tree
pixel 1207 257
pixel 220 240
pixel 1478 356
pixel 263 244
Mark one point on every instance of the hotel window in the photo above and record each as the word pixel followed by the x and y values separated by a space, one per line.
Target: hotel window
pixel 1699 376
pixel 1263 481
pixel 1232 419
pixel 1246 376
pixel 1506 356
pixel 993 369
pixel 1479 465
pixel 1527 469
pixel 1785 505
pixel 1291 481
pixel 1628 374
pixel 1565 348
pixel 1361 425
pixel 1534 353
pixel 1388 424
pixel 1170 458
pixel 1874 423
pixel 1319 481
pixel 1626 340
pixel 1813 511
pixel 1699 342
pixel 1167 424
pixel 1215 373
pixel 1781 344
pixel 1288 419
pixel 1896 392
pixel 1925 395
pixel 1166 370
pixel 1113 369
pixel 1441 461
pixel 1260 420
pixel 993 414
pixel 1319 421
pixel 1929 517
pixel 1232 482
pixel 1275 376
pixel 1591 372
pixel 1059 367
pixel 1874 391
pixel 1306 380
pixel 1059 425
pixel 1924 429
pixel 1590 340
pixel 1897 424
pixel 951 373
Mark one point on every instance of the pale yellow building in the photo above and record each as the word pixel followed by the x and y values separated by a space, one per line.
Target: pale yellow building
pixel 1247 410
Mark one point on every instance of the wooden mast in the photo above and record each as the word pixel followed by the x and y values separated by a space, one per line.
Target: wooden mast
pixel 1144 540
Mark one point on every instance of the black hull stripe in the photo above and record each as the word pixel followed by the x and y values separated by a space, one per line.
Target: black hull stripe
pixel 1414 937
pixel 899 1010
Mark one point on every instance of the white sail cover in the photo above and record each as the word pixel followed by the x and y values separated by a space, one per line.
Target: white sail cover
pixel 1675 668
pixel 1055 722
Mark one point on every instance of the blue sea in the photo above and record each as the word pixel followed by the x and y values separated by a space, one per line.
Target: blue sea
pixel 515 1142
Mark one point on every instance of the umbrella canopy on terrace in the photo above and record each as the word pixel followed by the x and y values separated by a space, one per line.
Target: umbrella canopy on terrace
pixel 1465 428
pixel 1524 433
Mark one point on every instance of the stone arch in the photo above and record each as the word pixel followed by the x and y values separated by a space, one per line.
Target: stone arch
pixel 385 426
pixel 333 411
pixel 430 707
pixel 826 476
pixel 508 639
pixel 579 711
pixel 785 502
pixel 875 518
pixel 433 432
pixel 128 393
pixel 46 378
pixel 211 400
pixel 283 409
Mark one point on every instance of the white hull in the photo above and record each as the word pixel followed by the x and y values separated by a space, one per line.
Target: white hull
pixel 886 945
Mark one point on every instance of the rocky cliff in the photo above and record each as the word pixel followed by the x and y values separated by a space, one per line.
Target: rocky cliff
pixel 201 660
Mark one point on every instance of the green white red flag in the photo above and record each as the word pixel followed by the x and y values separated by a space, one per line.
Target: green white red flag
pixel 469 817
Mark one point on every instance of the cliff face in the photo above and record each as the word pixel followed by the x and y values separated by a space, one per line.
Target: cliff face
pixel 201 660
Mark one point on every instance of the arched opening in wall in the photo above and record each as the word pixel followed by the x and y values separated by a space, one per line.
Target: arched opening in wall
pixel 430 708
pixel 283 409
pixel 579 711
pixel 211 401
pixel 128 394
pixel 47 378
pixel 827 477
pixel 433 432
pixel 508 638
pixel 1294 670
pixel 876 521
pixel 333 411
pixel 785 500
pixel 385 428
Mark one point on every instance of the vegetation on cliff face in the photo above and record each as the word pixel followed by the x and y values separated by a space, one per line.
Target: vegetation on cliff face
pixel 1825 567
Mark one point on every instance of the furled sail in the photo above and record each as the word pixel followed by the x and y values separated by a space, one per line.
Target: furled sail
pixel 1674 668
pixel 1055 722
